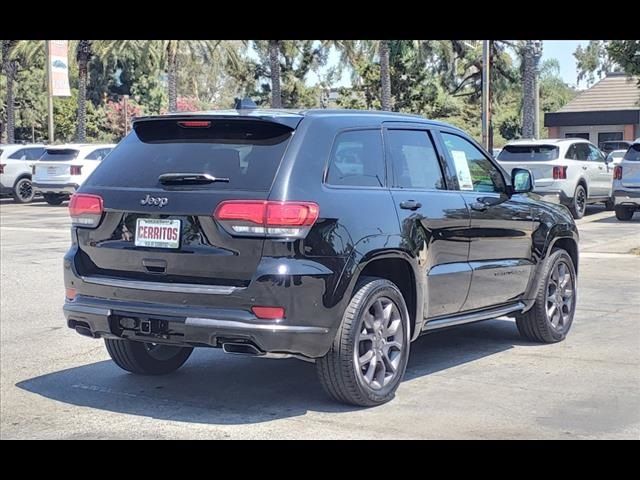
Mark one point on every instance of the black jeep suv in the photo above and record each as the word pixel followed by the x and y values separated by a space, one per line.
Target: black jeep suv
pixel 337 237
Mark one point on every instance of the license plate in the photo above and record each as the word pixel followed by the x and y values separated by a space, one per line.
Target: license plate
pixel 158 233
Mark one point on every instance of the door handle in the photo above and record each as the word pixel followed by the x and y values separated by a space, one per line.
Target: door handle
pixel 410 205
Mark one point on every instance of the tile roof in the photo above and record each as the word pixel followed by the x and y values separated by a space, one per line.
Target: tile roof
pixel 616 91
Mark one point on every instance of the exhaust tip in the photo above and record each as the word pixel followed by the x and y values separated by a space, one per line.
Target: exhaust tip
pixel 85 331
pixel 241 349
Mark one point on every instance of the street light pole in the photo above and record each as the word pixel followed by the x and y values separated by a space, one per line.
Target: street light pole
pixel 486 95
pixel 49 91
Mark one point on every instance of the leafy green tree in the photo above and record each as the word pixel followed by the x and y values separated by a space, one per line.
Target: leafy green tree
pixel 16 54
pixel 593 61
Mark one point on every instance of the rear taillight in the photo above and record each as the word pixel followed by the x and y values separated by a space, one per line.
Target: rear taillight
pixel 617 172
pixel 261 218
pixel 2 167
pixel 33 169
pixel 559 173
pixel 76 170
pixel 85 210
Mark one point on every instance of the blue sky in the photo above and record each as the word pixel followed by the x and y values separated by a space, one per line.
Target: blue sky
pixel 562 50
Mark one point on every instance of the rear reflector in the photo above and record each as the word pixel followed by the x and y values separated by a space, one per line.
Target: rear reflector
pixel 268 313
pixel 85 210
pixel 617 172
pixel 70 293
pixel 267 218
pixel 560 173
pixel 195 124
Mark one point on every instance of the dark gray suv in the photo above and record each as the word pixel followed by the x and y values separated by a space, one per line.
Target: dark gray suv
pixel 337 237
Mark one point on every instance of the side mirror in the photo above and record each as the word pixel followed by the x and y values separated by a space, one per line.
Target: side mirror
pixel 521 180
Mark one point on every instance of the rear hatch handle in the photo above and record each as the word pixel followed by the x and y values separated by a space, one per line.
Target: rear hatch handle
pixel 189 179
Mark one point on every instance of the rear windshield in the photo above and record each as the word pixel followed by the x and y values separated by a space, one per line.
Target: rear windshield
pixel 633 153
pixel 246 152
pixel 528 153
pixel 59 155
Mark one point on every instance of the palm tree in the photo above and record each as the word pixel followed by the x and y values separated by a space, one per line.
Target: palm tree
pixel 86 50
pixel 385 75
pixel 15 53
pixel 274 67
pixel 167 53
pixel 531 53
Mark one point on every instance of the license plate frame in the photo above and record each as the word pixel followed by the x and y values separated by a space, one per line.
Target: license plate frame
pixel 154 239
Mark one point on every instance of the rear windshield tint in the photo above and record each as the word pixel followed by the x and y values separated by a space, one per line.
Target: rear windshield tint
pixel 247 152
pixel 528 153
pixel 633 154
pixel 59 155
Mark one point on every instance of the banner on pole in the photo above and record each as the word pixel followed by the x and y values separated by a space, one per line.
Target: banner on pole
pixel 59 65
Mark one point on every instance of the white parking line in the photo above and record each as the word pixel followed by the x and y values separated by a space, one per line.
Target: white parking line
pixel 33 229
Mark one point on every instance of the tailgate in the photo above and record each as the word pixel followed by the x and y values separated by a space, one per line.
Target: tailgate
pixel 52 172
pixel 165 232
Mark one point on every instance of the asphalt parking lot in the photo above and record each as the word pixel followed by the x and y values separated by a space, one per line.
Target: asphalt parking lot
pixel 476 381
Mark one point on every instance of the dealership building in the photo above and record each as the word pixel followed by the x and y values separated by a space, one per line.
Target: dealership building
pixel 609 110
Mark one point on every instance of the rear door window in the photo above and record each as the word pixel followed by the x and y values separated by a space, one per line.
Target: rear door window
pixel 414 159
pixel 582 151
pixel 246 152
pixel 528 153
pixel 357 159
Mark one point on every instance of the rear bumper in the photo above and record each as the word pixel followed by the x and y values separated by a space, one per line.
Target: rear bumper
pixel 554 196
pixel 4 190
pixel 65 188
pixel 209 315
pixel 627 196
pixel 193 326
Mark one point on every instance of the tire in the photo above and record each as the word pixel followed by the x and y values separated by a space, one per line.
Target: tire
pixel 339 370
pixel 54 199
pixel 537 324
pixel 610 204
pixel 624 213
pixel 23 191
pixel 139 357
pixel 579 202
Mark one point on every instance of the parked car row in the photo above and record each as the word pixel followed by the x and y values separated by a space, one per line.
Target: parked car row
pixel 54 171
pixel 570 171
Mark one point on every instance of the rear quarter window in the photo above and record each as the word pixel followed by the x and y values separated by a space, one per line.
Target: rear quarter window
pixel 246 152
pixel 357 159
pixel 633 154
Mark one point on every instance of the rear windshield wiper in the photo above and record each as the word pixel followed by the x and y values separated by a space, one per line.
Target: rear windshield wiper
pixel 189 179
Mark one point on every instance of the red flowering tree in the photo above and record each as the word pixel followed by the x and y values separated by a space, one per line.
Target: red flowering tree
pixel 114 112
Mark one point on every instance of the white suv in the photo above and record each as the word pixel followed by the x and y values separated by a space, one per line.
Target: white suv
pixel 571 171
pixel 63 168
pixel 15 170
pixel 626 183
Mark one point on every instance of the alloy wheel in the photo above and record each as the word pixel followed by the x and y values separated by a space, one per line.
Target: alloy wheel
pixel 380 344
pixel 560 296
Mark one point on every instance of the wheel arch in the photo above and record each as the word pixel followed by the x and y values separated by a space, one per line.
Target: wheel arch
pixel 397 267
pixel 20 177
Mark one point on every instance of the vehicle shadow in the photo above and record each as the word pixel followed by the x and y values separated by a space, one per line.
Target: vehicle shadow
pixel 216 388
pixel 613 219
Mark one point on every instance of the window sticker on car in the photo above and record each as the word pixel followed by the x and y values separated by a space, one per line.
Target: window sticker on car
pixel 462 169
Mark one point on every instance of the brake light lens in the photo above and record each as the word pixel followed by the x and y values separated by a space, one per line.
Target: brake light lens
pixel 70 293
pixel 261 218
pixel 85 210
pixel 2 167
pixel 33 169
pixel 617 172
pixel 76 170
pixel 560 173
pixel 268 313
pixel 195 124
